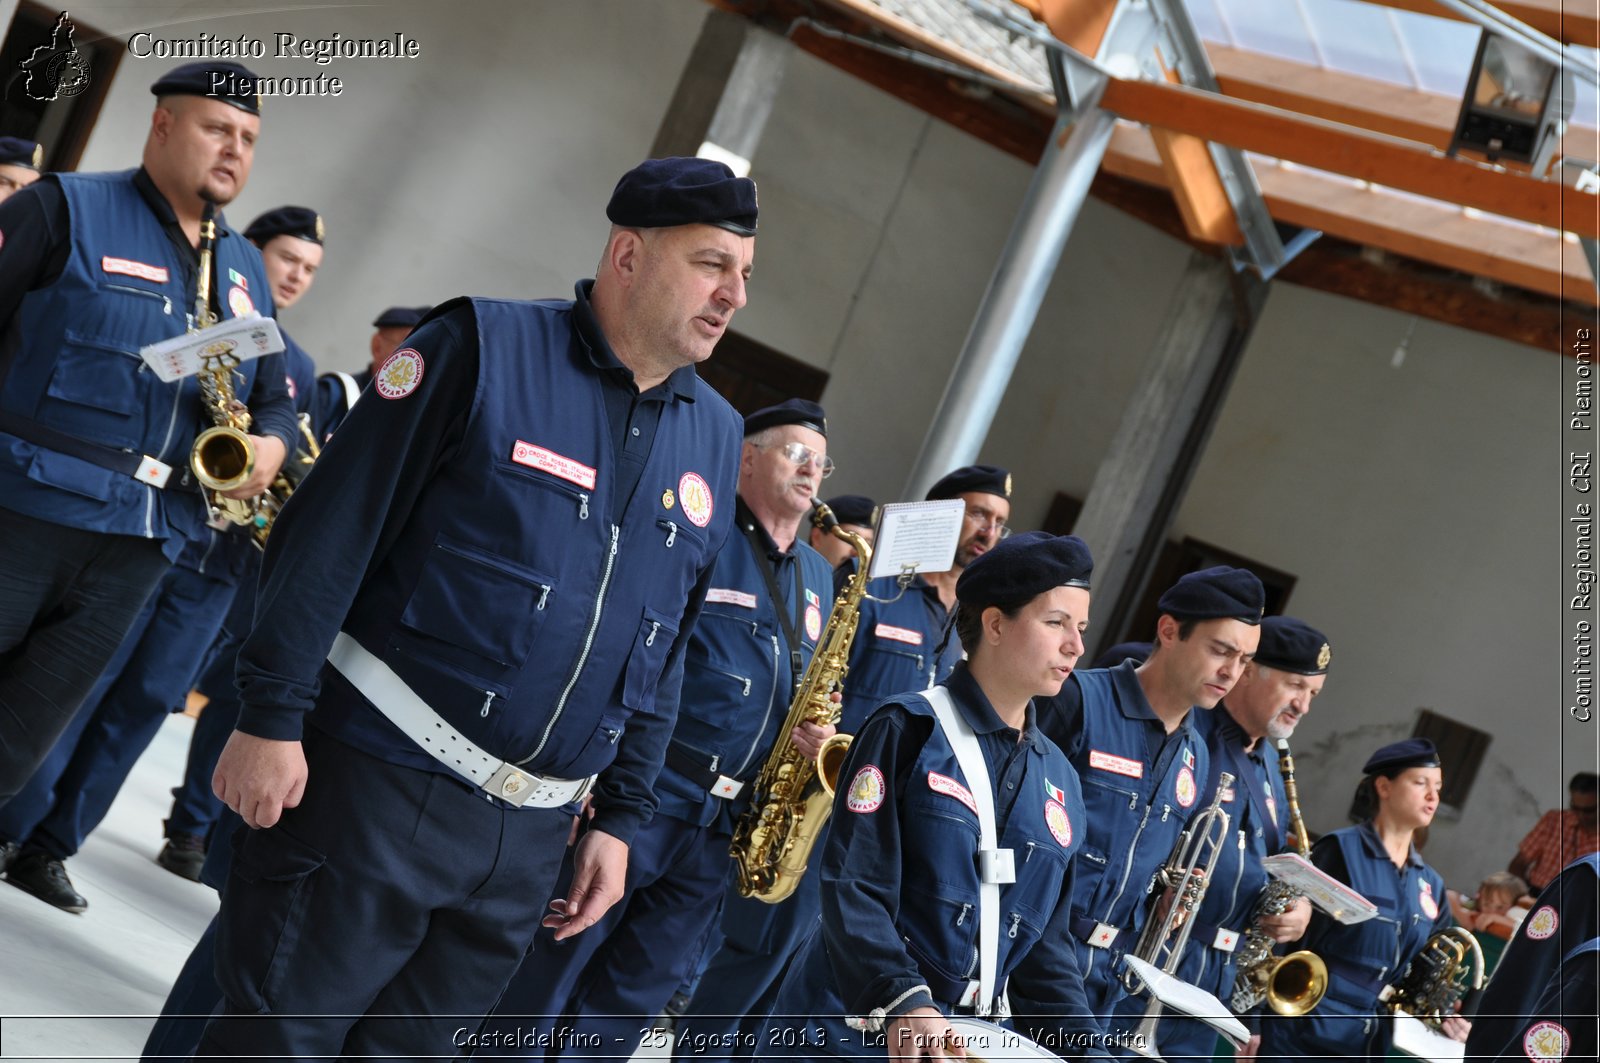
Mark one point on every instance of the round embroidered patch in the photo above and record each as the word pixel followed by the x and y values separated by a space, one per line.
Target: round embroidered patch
pixel 1055 817
pixel 866 790
pixel 239 302
pixel 694 494
pixel 399 376
pixel 813 622
pixel 1184 787
pixel 1546 1042
pixel 1430 907
pixel 1542 924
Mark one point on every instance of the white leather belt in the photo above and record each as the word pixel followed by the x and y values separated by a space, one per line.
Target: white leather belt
pixel 400 705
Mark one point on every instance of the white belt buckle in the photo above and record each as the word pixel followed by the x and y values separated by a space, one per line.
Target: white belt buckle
pixel 1104 934
pixel 1227 940
pixel 726 787
pixel 512 785
pixel 153 472
pixel 969 999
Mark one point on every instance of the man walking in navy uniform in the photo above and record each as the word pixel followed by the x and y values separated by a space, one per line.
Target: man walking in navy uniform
pixel 1130 732
pixel 291 243
pixel 1271 697
pixel 762 618
pixel 903 642
pixel 501 554
pixel 96 496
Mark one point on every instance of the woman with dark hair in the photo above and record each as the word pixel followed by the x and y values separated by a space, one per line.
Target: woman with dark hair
pixel 948 867
pixel 1379 860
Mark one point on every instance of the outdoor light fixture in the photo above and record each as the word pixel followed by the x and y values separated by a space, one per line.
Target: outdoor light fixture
pixel 1516 105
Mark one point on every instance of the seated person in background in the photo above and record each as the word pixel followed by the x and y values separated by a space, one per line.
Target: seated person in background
pixel 1562 834
pixel 1488 910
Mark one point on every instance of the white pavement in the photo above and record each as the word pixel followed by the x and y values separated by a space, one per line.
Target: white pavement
pixel 89 986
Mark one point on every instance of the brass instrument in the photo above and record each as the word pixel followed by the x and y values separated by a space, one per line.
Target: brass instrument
pixel 1292 984
pixel 1438 977
pixel 223 457
pixel 793 796
pixel 1186 875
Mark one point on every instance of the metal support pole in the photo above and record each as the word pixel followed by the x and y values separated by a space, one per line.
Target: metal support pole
pixel 1011 303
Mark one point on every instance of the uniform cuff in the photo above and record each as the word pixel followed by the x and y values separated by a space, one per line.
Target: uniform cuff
pixel 621 823
pixel 282 725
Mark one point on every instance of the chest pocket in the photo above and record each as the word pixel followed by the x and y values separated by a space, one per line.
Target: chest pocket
pixel 474 600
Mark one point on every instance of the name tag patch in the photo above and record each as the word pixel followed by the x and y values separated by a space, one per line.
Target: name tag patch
pixel 129 268
pixel 729 596
pixel 943 784
pixel 898 634
pixel 557 465
pixel 1133 769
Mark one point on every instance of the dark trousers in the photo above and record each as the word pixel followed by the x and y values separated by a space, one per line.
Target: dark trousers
pixel 67 597
pixel 68 796
pixel 383 916
pixel 612 980
pixel 726 1017
pixel 195 807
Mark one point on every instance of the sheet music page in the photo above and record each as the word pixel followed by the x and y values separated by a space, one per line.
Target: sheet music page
pixel 1326 892
pixel 1411 1036
pixel 1193 1001
pixel 243 338
pixel 917 535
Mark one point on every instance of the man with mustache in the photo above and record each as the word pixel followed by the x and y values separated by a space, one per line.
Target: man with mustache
pixel 752 644
pixel 1272 696
pixel 96 495
pixel 903 642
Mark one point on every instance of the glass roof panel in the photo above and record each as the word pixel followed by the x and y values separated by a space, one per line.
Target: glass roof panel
pixel 1273 27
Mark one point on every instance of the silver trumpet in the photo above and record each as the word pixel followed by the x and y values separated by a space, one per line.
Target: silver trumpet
pixel 1185 877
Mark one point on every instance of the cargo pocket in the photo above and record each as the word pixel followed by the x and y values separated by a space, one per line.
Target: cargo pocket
pixel 478 601
pixel 73 474
pixel 647 659
pixel 262 921
pixel 94 392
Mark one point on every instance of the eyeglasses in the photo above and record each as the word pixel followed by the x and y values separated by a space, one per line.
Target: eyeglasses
pixel 801 455
pixel 986 519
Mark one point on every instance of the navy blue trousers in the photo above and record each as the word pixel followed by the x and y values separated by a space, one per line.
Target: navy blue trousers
pixel 727 1014
pixel 68 796
pixel 195 807
pixel 383 916
pixel 611 981
pixel 67 598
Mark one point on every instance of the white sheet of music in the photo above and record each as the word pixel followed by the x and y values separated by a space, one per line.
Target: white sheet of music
pixel 917 535
pixel 1191 1000
pixel 1326 892
pixel 241 338
pixel 1413 1038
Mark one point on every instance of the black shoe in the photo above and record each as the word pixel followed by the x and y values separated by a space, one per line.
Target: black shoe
pixel 37 872
pixel 183 855
pixel 8 853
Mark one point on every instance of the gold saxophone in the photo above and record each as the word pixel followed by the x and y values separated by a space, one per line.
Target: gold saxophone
pixel 223 457
pixel 1292 984
pixel 793 796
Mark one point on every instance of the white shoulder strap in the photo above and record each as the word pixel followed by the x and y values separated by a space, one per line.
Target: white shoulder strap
pixel 351 391
pixel 964 742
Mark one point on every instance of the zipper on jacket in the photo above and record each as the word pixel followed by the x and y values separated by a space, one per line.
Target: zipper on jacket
pixel 583 506
pixel 777 660
pixel 588 641
pixel 166 301
pixel 962 918
pixel 488 698
pixel 1016 920
pixel 672 531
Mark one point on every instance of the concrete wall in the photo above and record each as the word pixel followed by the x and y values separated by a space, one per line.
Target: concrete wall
pixel 1410 502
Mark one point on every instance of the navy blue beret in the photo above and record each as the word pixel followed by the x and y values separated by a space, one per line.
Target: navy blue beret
pixel 215 80
pixel 1023 567
pixel 401 317
pixel 984 479
pixel 1398 756
pixel 682 191
pixel 19 151
pixel 852 509
pixel 802 412
pixel 1219 593
pixel 1291 645
pixel 301 222
pixel 1123 651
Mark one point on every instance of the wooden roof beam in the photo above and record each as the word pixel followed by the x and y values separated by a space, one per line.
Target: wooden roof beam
pixel 1354 152
pixel 1568 21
